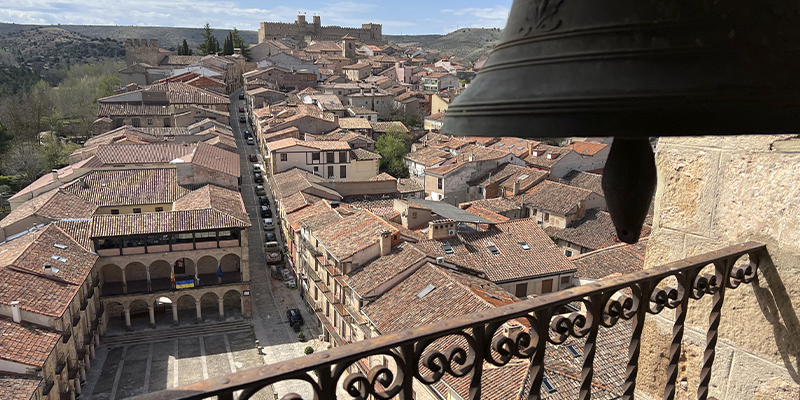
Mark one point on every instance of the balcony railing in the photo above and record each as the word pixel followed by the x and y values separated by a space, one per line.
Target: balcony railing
pixel 608 301
pixel 76 318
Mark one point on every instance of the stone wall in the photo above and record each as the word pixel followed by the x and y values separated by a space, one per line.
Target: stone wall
pixel 715 192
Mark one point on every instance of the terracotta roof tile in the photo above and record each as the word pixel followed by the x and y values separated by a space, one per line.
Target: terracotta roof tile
pixel 295 180
pixel 54 205
pixel 621 258
pixel 513 263
pixel 19 386
pixel 587 148
pixel 428 156
pixel 497 205
pixel 353 234
pixel 546 156
pixel 383 127
pixel 215 159
pixel 584 180
pixel 128 187
pixel 407 185
pixel 354 123
pixel 371 275
pixel 215 198
pixel 317 144
pixel 490 215
pixel 141 153
pixel 556 197
pixel 297 201
pixel 163 222
pixel 25 343
pixel 595 230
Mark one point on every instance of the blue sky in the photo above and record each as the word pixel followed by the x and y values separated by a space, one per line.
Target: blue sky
pixel 406 16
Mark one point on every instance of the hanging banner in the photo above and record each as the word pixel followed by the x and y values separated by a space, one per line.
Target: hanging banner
pixel 184 284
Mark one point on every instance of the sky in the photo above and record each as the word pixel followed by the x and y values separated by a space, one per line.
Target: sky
pixel 407 17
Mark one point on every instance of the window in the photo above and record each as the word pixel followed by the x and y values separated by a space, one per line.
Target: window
pixel 149 121
pixel 136 122
pixel 584 250
pixel 547 216
pixel 524 246
pixel 521 290
pixel 480 190
pixel 330 172
pixel 414 215
pixel 314 156
pixel 137 210
pixel 342 156
pixel 568 252
pixel 493 249
pixel 115 212
pixel 533 212
pixel 547 286
pixel 330 157
pixel 180 267
pixel 448 249
pixel 316 170
pixel 284 157
pixel 564 280
pixel 439 183
pixel 159 209
pixel 343 171
pixel 167 123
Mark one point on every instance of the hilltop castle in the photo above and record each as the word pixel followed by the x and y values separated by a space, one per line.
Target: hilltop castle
pixel 303 32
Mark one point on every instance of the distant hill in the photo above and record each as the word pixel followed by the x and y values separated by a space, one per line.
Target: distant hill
pixel 51 47
pixel 469 43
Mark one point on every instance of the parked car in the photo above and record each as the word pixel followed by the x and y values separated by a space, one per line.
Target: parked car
pixel 257 178
pixel 260 190
pixel 263 200
pixel 268 225
pixel 256 167
pixel 273 250
pixel 294 316
pixel 242 119
pixel 266 212
pixel 241 109
pixel 241 96
pixel 253 157
pixel 269 237
pixel 250 141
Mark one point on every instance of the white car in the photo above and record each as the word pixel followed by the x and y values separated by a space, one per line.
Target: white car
pixel 268 224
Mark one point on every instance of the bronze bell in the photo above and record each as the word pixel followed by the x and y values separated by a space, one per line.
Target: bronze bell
pixel 636 69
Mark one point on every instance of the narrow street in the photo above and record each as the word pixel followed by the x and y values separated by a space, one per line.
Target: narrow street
pixel 270 297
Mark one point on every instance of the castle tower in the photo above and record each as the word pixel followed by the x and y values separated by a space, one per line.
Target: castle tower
pixel 349 47
pixel 142 51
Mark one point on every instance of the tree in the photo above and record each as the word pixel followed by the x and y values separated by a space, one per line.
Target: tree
pixel 106 86
pixel 227 47
pixel 210 44
pixel 392 148
pixel 238 42
pixel 24 161
pixel 184 50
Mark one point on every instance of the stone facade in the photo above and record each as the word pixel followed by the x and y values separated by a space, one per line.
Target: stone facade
pixel 715 192
pixel 142 51
pixel 301 30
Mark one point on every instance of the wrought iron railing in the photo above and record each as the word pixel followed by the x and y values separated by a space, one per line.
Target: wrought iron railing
pixel 629 297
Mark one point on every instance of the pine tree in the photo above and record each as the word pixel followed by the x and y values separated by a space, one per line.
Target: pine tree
pixel 238 42
pixel 210 44
pixel 184 50
pixel 227 47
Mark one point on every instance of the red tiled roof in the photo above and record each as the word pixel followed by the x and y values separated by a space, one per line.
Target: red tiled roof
pixel 54 205
pixel 317 144
pixel 621 258
pixel 587 148
pixel 490 215
pixel 17 386
pixel 215 159
pixel 555 197
pixel 128 187
pixel 215 198
pixel 371 275
pixel 163 222
pixel 428 156
pixel 353 234
pixel 513 263
pixel 26 343
pixel 595 230
pixel 141 153
pixel 584 180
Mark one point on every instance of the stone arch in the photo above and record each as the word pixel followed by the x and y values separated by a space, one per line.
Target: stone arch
pixel 111 278
pixel 160 271
pixel 162 310
pixel 139 312
pixel 207 270
pixel 209 304
pixel 115 312
pixel 188 267
pixel 187 308
pixel 232 303
pixel 136 277
pixel 231 268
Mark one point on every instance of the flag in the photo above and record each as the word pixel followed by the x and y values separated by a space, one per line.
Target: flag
pixel 219 271
pixel 172 275
pixel 184 284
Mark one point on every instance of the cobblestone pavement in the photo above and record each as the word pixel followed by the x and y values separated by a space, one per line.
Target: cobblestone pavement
pixel 136 369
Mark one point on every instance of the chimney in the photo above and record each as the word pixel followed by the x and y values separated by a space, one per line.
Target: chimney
pixel 48 270
pixel 386 243
pixel 516 188
pixel 54 174
pixel 15 313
